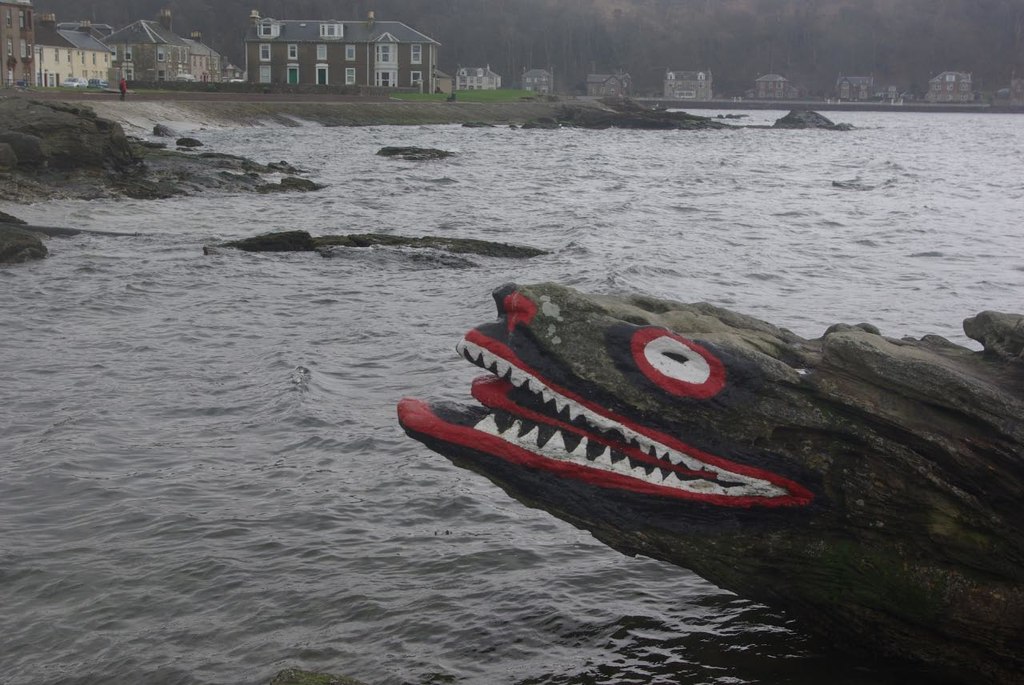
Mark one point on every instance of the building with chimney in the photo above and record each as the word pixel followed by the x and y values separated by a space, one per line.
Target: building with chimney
pixel 206 64
pixel 950 86
pixel 150 51
pixel 331 52
pixel 687 85
pixel 540 81
pixel 477 78
pixel 617 85
pixel 17 38
pixel 64 53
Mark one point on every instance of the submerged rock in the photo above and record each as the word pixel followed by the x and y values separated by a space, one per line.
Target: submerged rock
pixel 188 142
pixel 870 487
pixel 289 183
pixel 415 154
pixel 19 245
pixel 293 676
pixel 803 118
pixel 301 241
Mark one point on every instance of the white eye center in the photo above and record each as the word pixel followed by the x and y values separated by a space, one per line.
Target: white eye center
pixel 674 359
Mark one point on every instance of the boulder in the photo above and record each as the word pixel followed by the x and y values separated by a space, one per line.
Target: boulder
pixel 802 118
pixel 1002 335
pixel 162 131
pixel 19 245
pixel 289 183
pixel 8 158
pixel 62 136
pixel 282 241
pixel 6 218
pixel 188 142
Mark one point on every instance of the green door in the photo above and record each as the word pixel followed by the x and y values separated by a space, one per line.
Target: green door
pixel 293 75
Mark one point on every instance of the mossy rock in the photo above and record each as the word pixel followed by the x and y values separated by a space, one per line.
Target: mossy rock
pixel 18 245
pixel 283 241
pixel 289 183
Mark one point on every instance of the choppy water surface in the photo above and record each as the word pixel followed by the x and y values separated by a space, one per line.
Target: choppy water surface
pixel 202 479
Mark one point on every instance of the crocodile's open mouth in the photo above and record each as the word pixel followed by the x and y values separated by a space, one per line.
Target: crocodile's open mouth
pixel 531 421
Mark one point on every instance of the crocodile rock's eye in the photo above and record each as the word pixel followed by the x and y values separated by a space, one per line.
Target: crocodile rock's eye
pixel 675 364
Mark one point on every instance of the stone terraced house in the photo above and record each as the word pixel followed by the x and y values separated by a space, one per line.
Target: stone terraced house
pixel 17 37
pixel 331 52
pixel 63 53
pixel 149 51
pixel 687 85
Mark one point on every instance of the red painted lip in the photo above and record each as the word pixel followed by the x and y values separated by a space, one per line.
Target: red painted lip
pixel 417 417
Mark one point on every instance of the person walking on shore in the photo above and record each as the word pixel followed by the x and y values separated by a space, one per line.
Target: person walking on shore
pixel 123 86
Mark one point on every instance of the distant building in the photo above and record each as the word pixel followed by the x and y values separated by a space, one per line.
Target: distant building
pixel 688 85
pixel 950 86
pixel 330 52
pixel 68 53
pixel 617 85
pixel 539 81
pixel 855 88
pixel 774 87
pixel 1017 91
pixel 443 82
pixel 204 62
pixel 149 51
pixel 230 72
pixel 477 78
pixel 17 36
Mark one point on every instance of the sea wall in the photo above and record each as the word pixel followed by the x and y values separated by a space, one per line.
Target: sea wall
pixel 183 115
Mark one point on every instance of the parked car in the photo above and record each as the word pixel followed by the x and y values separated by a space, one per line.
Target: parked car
pixel 186 77
pixel 97 83
pixel 74 82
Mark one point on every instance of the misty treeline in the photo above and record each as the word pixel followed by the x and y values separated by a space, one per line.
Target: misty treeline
pixel 812 42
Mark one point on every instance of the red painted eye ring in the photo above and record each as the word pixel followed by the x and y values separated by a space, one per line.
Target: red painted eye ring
pixel 676 365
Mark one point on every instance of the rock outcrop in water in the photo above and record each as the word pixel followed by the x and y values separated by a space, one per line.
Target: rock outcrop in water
pixel 414 154
pixel 802 118
pixel 624 114
pixel 301 241
pixel 869 486
pixel 294 676
pixel 53 149
pixel 19 245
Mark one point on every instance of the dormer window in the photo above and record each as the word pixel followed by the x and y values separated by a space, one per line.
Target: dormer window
pixel 268 28
pixel 332 30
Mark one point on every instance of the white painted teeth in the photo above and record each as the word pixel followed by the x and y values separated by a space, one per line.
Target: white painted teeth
pixel 555 448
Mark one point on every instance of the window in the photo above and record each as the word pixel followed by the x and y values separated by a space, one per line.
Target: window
pixel 415 78
pixel 386 79
pixel 129 74
pixel 127 53
pixel 94 59
pixel 264 73
pixel 385 53
pixel 350 53
pixel 21 19
pixel 264 53
pixel 81 56
pixel 8 22
pixel 332 30
pixel 268 29
pixel 24 49
pixel 416 53
pixel 10 47
pixel 350 76
pixel 293 51
pixel 56 54
pixel 321 51
pixel 161 55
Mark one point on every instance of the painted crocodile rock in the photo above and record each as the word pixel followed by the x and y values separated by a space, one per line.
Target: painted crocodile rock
pixel 873 488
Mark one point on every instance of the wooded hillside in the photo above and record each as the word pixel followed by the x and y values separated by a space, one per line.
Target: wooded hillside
pixel 899 42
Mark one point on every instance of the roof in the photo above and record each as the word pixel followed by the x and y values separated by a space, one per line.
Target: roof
pixel 537 72
pixel 480 71
pixel 82 40
pixel 144 31
pixel 966 75
pixel 856 80
pixel 197 47
pixel 601 78
pixel 308 30
pixel 689 75
pixel 771 77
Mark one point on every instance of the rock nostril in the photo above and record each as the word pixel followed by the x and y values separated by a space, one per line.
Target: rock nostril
pixel 501 294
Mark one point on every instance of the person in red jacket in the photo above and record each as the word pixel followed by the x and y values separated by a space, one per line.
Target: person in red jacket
pixel 123 86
